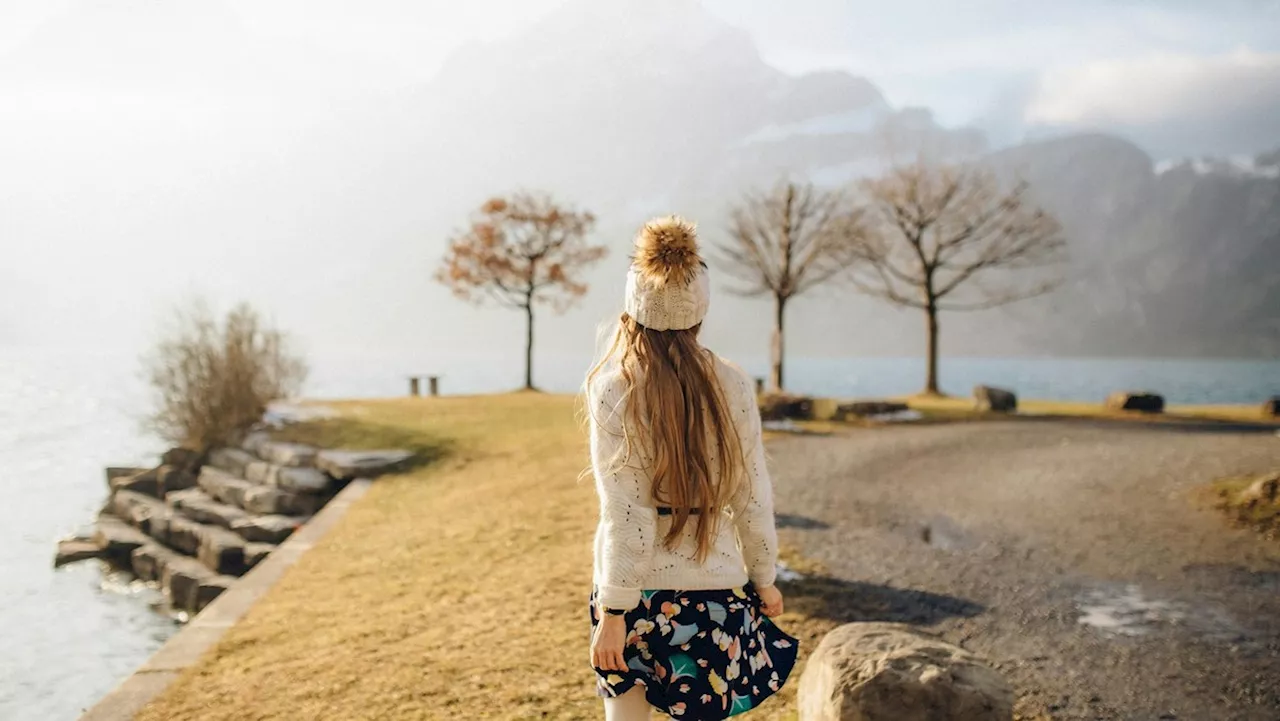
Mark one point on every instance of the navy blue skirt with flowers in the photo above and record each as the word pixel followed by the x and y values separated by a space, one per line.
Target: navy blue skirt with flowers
pixel 701 655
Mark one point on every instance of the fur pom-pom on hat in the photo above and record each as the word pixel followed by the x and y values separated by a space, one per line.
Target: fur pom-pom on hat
pixel 667 250
pixel 667 286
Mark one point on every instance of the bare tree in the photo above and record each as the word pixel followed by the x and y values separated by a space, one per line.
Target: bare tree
pixel 785 242
pixel 953 237
pixel 213 381
pixel 519 251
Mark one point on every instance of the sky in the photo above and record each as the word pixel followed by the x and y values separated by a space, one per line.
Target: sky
pixel 237 148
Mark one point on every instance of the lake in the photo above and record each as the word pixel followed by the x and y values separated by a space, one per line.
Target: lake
pixel 73 634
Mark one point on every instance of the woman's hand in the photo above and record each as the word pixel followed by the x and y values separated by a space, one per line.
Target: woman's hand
pixel 770 600
pixel 607 643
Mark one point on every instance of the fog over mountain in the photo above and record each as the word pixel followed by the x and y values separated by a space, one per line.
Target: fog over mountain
pixel 149 150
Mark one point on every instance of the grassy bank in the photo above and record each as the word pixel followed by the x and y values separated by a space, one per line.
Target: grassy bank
pixel 454 590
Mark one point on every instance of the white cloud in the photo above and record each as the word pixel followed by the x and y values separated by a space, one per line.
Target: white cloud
pixel 1157 87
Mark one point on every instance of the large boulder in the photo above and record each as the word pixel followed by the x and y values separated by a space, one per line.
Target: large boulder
pixel 290 478
pixel 268 500
pixel 998 400
pixel 892 672
pixel 266 529
pixel 137 508
pixel 1271 407
pixel 199 506
pixel 231 460
pixel 224 486
pixel 868 409
pixel 71 550
pixel 349 465
pixel 287 454
pixel 116 539
pixel 1136 401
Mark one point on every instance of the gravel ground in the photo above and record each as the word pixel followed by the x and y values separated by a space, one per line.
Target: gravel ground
pixel 1069 553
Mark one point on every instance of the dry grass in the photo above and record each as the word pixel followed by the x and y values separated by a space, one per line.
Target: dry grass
pixel 456 590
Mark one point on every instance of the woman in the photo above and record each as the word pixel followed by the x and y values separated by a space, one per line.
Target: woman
pixel 686 549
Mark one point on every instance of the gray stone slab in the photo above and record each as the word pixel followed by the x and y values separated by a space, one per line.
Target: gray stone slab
pixel 137 508
pixel 346 465
pixel 269 500
pixel 223 486
pixel 267 529
pixel 231 460
pixel 199 506
pixel 72 550
pixel 287 454
pixel 117 539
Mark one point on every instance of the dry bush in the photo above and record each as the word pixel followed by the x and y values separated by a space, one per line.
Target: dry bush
pixel 213 381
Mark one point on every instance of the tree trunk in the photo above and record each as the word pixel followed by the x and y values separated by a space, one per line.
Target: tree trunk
pixel 528 346
pixel 931 350
pixel 779 344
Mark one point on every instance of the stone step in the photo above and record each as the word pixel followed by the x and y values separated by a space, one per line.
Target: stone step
pixel 189 585
pixel 197 505
pixel 217 548
pixel 149 561
pixel 349 465
pixel 231 460
pixel 287 454
pixel 257 498
pixel 290 478
pixel 116 540
pixel 136 508
pixel 267 529
pixel 71 550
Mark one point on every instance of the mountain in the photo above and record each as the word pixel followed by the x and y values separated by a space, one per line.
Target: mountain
pixel 1178 258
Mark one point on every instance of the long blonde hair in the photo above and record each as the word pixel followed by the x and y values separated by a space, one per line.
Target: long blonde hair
pixel 675 410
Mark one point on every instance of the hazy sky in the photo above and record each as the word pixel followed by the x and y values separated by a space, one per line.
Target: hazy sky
pixel 249 149
pixel 1089 61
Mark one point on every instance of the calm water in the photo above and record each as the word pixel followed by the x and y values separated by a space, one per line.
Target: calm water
pixel 72 635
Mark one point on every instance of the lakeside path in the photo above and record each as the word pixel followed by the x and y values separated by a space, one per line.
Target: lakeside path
pixel 458 589
pixel 1015 530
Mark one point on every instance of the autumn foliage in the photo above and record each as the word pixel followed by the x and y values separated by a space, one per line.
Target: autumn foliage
pixel 520 251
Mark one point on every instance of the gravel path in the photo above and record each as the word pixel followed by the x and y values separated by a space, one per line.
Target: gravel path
pixel 1069 553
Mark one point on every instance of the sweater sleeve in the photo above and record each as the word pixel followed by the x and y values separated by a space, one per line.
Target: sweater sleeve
pixel 628 518
pixel 753 517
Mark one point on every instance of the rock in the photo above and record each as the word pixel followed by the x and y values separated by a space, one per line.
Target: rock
pixel 221 550
pixel 348 465
pixel 266 529
pixel 72 550
pixel 173 479
pixel 183 534
pixel 292 478
pixel 137 508
pixel 148 482
pixel 999 400
pixel 198 506
pixel 183 458
pixel 116 539
pixel 1272 407
pixel 1136 401
pixel 114 472
pixel 268 500
pixel 868 409
pixel 209 590
pixel 223 486
pixel 150 560
pixel 880 671
pixel 253 442
pixel 181 581
pixel 255 552
pixel 287 454
pixel 231 460
pixel 780 406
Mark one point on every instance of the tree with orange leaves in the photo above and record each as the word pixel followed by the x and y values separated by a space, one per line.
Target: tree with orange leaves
pixel 519 251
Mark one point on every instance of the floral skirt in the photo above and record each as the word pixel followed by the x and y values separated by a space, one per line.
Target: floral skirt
pixel 703 655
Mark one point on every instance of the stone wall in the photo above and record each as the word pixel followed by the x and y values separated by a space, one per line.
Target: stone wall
pixel 193 525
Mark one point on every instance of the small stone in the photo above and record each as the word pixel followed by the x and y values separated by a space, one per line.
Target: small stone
pixel 72 550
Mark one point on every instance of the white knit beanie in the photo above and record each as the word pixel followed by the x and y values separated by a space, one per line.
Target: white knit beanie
pixel 667 285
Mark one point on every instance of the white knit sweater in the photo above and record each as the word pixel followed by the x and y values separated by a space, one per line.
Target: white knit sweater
pixel 629 554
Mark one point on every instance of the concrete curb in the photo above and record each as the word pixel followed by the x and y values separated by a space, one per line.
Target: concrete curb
pixel 202 632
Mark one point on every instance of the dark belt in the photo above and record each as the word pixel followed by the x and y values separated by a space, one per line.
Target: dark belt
pixel 667 511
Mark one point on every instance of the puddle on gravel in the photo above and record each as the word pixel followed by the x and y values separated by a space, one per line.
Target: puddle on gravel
pixel 1125 610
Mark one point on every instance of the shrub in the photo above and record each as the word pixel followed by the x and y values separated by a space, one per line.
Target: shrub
pixel 213 381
